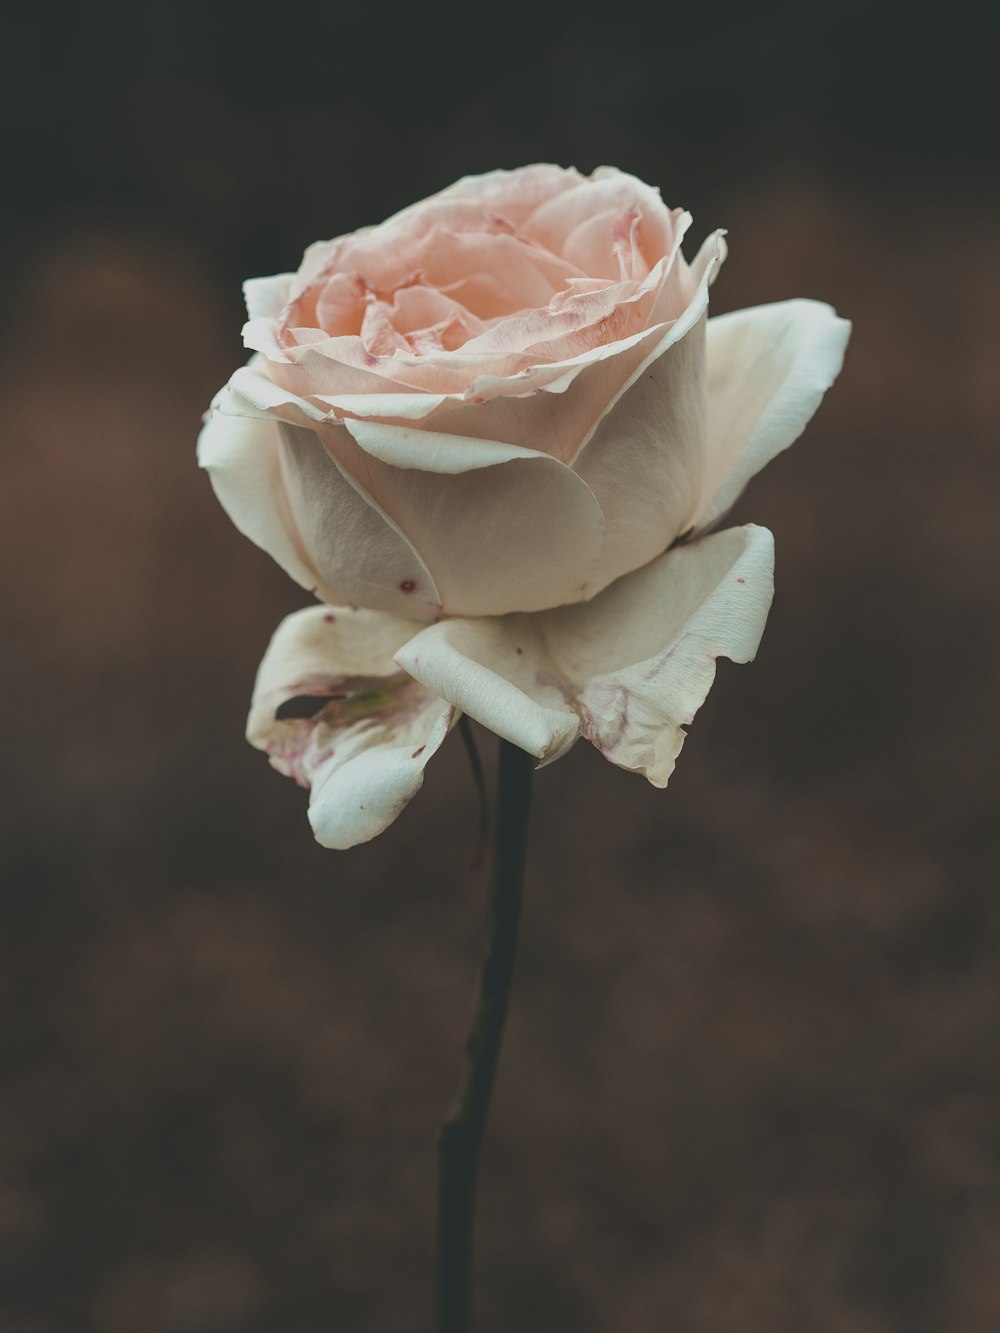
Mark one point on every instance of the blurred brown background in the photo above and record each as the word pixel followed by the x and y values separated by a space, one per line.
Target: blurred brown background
pixel 751 1079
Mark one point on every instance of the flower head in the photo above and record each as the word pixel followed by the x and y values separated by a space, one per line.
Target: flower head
pixel 502 424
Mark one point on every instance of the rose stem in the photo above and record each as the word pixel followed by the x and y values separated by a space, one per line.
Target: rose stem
pixel 461 1134
pixel 479 779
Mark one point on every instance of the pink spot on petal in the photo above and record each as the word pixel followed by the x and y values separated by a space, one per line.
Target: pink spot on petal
pixel 741 580
pixel 370 360
pixel 329 617
pixel 417 753
pixel 408 586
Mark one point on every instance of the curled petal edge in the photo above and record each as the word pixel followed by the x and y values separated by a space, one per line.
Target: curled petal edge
pixel 768 369
pixel 627 671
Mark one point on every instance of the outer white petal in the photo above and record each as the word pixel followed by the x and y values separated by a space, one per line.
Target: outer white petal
pixel 645 656
pixel 362 752
pixel 265 297
pixel 499 671
pixel 645 457
pixel 628 670
pixel 253 393
pixel 427 450
pixel 357 549
pixel 243 458
pixel 768 369
pixel 522 533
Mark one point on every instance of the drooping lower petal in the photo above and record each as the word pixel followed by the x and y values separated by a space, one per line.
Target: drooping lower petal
pixel 627 671
pixel 768 369
pixel 334 711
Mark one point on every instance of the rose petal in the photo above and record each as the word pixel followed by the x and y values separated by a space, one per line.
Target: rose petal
pixel 581 321
pixel 645 653
pixel 499 671
pixel 684 281
pixel 265 297
pixel 253 393
pixel 419 307
pixel 645 458
pixel 428 450
pixel 768 369
pixel 556 406
pixel 565 223
pixel 556 414
pixel 532 275
pixel 361 556
pixel 513 194
pixel 444 240
pixel 332 709
pixel 522 533
pixel 243 458
pixel 627 671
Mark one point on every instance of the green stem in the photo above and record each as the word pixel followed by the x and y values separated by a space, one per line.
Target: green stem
pixel 461 1134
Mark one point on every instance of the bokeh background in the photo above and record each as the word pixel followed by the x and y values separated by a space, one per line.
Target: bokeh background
pixel 751 1079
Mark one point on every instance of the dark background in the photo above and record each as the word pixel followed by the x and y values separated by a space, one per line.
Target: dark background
pixel 751 1078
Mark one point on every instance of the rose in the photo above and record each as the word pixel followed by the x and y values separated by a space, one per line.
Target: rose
pixel 499 411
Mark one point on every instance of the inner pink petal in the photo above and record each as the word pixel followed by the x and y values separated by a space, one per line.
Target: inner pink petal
pixel 515 194
pixel 554 222
pixel 340 305
pixel 418 307
pixel 494 277
pixel 389 255
pixel 528 276
pixel 378 333
pixel 577 321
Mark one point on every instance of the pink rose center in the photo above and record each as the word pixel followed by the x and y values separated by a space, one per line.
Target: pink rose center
pixel 459 277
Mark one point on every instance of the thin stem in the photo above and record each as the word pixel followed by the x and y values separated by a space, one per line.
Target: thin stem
pixel 461 1134
pixel 479 779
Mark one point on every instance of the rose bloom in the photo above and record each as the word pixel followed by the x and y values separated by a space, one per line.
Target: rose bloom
pixel 492 436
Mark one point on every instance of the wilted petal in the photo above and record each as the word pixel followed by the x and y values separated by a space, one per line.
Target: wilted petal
pixel 768 369
pixel 628 670
pixel 645 650
pixel 499 671
pixel 333 710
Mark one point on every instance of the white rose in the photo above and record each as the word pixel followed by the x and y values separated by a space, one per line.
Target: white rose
pixel 498 412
